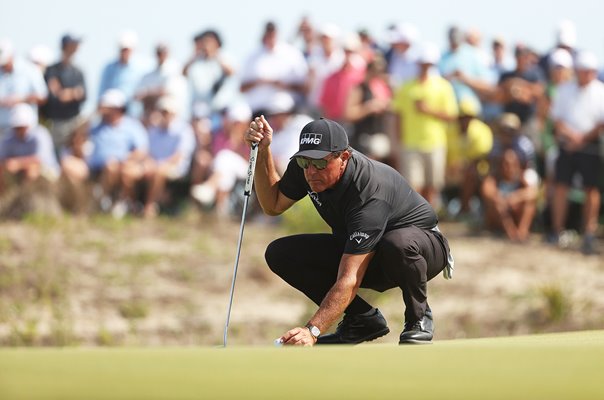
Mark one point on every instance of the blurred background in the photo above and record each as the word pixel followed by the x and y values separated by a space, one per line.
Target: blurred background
pixel 122 160
pixel 29 23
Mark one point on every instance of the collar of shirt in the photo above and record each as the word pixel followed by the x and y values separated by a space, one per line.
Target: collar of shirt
pixel 338 190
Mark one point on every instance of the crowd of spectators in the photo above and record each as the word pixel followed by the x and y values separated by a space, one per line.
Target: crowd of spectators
pixel 498 134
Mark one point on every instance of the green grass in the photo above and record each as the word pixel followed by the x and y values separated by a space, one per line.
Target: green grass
pixel 551 366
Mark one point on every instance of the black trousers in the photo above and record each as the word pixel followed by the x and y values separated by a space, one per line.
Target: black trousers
pixel 406 258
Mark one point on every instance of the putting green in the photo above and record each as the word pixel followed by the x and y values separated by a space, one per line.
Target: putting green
pixel 550 366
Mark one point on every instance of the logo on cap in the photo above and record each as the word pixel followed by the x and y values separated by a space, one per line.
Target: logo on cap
pixel 311 138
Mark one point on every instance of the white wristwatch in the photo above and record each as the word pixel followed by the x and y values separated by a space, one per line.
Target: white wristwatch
pixel 313 330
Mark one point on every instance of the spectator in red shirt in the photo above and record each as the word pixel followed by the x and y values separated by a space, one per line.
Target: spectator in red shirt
pixel 337 86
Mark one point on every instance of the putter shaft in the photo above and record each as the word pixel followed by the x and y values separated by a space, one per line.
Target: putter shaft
pixel 246 194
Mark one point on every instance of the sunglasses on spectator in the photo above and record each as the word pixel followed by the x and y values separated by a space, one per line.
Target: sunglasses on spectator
pixel 319 164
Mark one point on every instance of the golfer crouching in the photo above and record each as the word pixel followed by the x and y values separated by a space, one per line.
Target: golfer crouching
pixel 384 235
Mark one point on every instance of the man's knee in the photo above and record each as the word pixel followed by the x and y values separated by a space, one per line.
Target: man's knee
pixel 275 256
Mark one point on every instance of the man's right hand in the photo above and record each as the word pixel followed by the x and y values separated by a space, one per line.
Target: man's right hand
pixel 259 132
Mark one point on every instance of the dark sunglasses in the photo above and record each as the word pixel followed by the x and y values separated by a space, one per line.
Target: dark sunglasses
pixel 320 163
pixel 304 163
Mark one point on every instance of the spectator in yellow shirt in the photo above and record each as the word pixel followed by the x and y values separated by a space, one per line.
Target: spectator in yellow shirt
pixel 469 143
pixel 425 106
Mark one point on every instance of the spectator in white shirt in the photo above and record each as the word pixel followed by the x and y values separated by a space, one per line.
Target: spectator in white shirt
pixel 578 114
pixel 276 66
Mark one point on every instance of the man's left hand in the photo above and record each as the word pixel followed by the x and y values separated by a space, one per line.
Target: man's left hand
pixel 298 337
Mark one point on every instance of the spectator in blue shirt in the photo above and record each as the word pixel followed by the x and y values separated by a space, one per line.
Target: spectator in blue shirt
pixel 460 63
pixel 119 149
pixel 171 147
pixel 20 82
pixel 26 152
pixel 124 73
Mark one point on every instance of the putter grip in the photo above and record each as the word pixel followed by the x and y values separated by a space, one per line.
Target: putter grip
pixel 250 171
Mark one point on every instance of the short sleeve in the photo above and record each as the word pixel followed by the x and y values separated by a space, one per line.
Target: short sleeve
pixel 505 76
pixel 292 184
pixel 51 72
pixel 366 226
pixel 450 102
pixel 38 84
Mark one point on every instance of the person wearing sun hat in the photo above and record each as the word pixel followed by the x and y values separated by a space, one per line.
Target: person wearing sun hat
pixel 384 235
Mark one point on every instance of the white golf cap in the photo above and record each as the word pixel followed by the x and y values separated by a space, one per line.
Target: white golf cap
pixel 239 112
pixel 566 34
pixel 403 33
pixel 279 103
pixel 113 98
pixel 330 30
pixel 40 54
pixel 22 115
pixel 351 42
pixel 560 58
pixel 6 51
pixel 128 40
pixel 168 103
pixel 586 60
pixel 429 54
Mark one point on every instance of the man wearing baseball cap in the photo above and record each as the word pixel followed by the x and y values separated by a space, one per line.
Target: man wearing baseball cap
pixel 19 83
pixel 124 73
pixel 26 152
pixel 578 114
pixel 384 235
pixel 120 146
pixel 67 93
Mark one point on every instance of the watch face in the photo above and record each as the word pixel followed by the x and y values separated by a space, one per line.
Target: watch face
pixel 315 331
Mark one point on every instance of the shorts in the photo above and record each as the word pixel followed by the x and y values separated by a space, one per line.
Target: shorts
pixel 424 169
pixel 62 130
pixel 585 164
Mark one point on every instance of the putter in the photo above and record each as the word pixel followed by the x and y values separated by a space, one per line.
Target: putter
pixel 246 193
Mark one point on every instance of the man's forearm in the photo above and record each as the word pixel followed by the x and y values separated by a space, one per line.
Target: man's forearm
pixel 562 130
pixel 267 182
pixel 17 164
pixel 334 304
pixel 350 275
pixel 592 135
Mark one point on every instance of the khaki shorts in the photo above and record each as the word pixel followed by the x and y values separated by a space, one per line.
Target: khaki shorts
pixel 61 130
pixel 424 169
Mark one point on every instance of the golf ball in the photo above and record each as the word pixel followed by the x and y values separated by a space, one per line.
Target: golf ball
pixel 278 342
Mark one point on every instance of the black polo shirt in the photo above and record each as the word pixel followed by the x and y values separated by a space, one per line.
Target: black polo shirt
pixel 69 76
pixel 524 111
pixel 371 198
